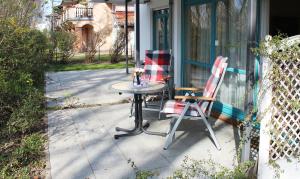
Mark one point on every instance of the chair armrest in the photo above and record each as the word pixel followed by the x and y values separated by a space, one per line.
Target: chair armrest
pixel 195 98
pixel 167 78
pixel 189 89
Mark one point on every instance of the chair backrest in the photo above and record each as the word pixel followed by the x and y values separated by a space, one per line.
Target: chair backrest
pixel 157 65
pixel 214 82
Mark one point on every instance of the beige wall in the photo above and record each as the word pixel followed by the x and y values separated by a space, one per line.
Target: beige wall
pixel 102 17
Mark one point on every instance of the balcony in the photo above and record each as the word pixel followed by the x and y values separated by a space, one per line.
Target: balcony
pixel 77 14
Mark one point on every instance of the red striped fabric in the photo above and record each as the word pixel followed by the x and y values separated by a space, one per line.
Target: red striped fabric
pixel 176 107
pixel 157 64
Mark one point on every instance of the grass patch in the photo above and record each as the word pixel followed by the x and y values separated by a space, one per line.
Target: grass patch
pixel 23 157
pixel 93 66
pixel 80 58
pixel 77 62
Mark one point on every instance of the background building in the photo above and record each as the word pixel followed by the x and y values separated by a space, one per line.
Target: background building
pixel 84 19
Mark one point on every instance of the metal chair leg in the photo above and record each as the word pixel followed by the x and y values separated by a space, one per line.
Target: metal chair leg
pixel 131 109
pixel 173 130
pixel 161 104
pixel 212 134
pixel 145 101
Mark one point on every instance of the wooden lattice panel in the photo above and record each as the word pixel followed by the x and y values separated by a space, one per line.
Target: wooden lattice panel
pixel 285 125
pixel 254 144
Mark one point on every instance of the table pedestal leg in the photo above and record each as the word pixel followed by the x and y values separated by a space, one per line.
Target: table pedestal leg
pixel 137 121
pixel 139 127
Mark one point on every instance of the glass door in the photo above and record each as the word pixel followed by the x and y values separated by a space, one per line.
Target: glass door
pixel 161 29
pixel 198 38
pixel 231 41
pixel 212 28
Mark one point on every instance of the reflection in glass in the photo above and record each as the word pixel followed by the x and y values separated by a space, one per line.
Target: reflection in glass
pixel 196 76
pixel 232 42
pixel 161 20
pixel 198 34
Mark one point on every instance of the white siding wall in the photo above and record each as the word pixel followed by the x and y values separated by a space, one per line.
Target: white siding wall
pixel 177 42
pixel 146 28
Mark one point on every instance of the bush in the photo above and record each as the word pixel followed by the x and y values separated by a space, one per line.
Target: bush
pixel 118 47
pixel 63 43
pixel 28 115
pixel 97 41
pixel 23 55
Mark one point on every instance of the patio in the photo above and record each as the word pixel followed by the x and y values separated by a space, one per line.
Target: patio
pixel 81 142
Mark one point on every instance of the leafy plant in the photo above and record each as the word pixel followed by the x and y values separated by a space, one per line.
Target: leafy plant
pixel 210 169
pixel 29 114
pixel 283 59
pixel 118 47
pixel 64 43
pixel 24 12
pixel 97 41
pixel 16 159
pixel 23 54
pixel 31 148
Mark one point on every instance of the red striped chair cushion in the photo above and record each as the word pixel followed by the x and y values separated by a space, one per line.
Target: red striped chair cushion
pixel 176 107
pixel 212 82
pixel 157 63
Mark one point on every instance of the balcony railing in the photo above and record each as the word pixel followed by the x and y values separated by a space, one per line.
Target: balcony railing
pixel 77 13
pixel 84 12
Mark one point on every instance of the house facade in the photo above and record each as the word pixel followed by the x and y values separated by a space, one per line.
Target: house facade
pixel 197 31
pixel 204 29
pixel 84 19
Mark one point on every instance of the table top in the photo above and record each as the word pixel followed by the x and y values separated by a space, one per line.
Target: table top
pixel 127 87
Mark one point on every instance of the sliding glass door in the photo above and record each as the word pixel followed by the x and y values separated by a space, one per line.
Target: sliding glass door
pixel 161 29
pixel 198 37
pixel 212 28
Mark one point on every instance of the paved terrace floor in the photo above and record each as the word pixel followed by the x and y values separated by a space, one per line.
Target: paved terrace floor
pixel 81 143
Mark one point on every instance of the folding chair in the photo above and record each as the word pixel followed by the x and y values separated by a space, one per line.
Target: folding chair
pixel 194 107
pixel 156 67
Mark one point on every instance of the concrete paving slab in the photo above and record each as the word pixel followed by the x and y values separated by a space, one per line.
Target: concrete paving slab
pixel 81 142
pixel 104 155
pixel 118 172
pixel 84 87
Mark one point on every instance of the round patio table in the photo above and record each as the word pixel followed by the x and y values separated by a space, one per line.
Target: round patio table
pixel 138 91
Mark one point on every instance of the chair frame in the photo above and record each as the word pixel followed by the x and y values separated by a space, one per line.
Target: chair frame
pixel 193 100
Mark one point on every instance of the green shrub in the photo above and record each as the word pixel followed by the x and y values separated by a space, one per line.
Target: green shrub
pixel 29 114
pixel 208 168
pixel 64 43
pixel 118 47
pixel 23 53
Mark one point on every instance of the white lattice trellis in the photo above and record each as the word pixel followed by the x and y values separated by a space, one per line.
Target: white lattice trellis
pixel 279 108
pixel 285 125
pixel 254 144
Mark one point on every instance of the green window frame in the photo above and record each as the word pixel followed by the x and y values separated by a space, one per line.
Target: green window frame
pixel 223 108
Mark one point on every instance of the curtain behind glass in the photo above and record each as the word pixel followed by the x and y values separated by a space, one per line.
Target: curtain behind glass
pixel 161 18
pixel 198 39
pixel 232 19
pixel 198 33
